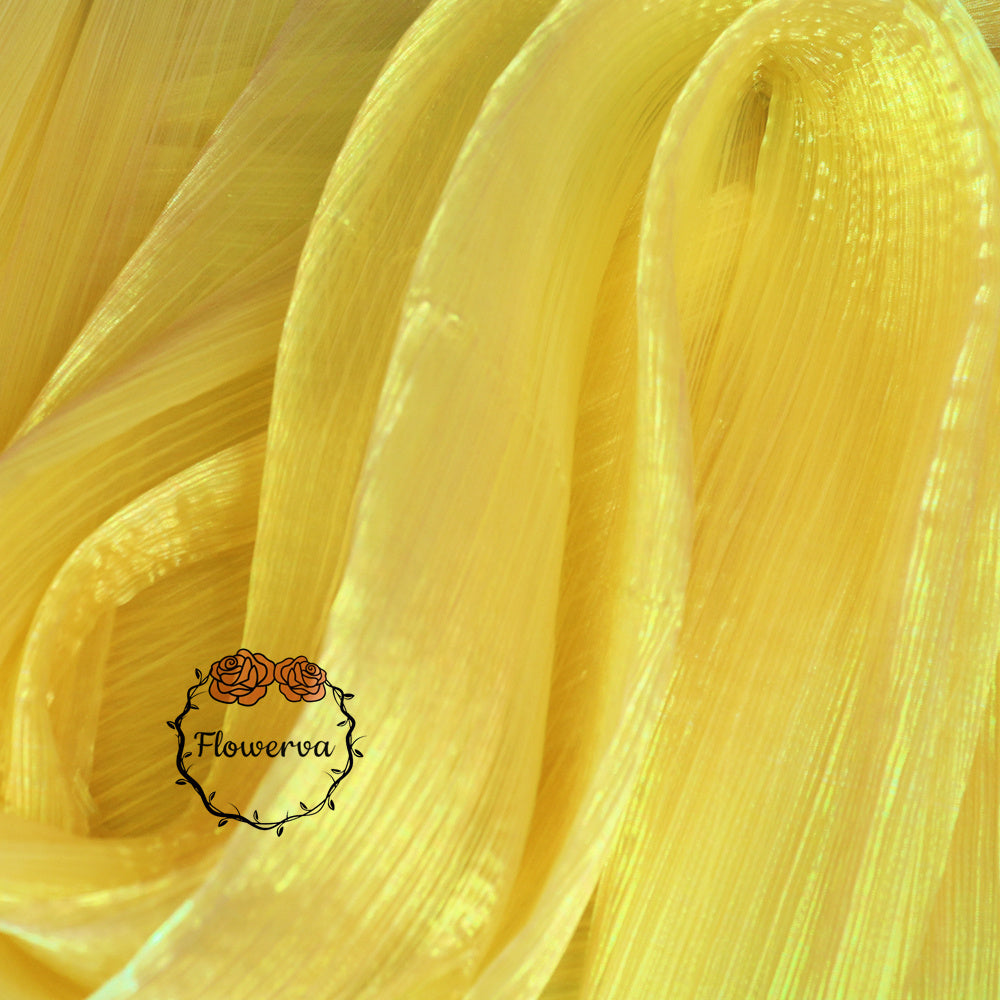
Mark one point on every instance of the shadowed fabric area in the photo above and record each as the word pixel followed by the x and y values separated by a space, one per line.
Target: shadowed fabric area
pixel 605 394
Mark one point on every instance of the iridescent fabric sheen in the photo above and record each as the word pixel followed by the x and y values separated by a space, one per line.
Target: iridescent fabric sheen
pixel 603 391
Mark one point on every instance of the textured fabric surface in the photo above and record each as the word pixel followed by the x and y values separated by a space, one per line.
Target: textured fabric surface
pixel 605 394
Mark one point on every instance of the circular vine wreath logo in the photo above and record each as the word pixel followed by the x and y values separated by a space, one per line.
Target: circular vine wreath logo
pixel 242 680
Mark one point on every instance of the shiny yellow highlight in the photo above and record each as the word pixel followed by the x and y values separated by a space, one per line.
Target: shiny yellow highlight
pixel 606 393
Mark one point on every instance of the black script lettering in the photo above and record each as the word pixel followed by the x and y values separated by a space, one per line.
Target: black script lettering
pixel 254 748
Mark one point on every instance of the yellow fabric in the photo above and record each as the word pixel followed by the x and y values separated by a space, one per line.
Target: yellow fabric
pixel 606 393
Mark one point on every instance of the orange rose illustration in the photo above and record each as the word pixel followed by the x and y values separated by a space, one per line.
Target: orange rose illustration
pixel 243 677
pixel 300 680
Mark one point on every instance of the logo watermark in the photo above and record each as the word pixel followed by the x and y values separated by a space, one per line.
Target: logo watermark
pixel 230 689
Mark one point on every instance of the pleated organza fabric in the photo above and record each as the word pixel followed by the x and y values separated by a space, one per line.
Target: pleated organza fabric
pixel 606 393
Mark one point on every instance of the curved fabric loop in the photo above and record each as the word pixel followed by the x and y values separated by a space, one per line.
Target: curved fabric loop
pixel 838 618
pixel 602 394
